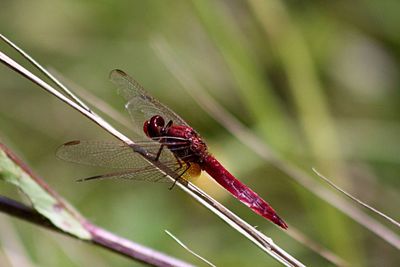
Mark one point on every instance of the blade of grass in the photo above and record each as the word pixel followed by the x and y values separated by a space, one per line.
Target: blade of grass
pixel 94 101
pixel 44 71
pixel 188 249
pixel 383 215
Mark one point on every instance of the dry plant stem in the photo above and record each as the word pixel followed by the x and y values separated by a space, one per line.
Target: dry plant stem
pixel 390 219
pixel 318 248
pixel 43 70
pixel 99 236
pixel 248 138
pixel 293 232
pixel 23 212
pixel 216 111
pixel 188 249
pixel 94 101
pixel 263 242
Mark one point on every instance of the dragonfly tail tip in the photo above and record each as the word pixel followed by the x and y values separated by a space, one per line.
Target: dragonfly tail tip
pixel 281 223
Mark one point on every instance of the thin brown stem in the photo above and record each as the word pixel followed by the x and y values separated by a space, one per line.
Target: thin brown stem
pixel 99 236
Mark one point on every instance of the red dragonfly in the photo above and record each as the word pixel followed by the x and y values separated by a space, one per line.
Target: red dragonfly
pixel 170 141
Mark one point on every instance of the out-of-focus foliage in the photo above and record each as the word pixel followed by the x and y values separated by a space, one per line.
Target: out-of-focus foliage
pixel 318 81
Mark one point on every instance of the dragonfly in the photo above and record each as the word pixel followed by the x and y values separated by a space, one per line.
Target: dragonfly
pixel 163 138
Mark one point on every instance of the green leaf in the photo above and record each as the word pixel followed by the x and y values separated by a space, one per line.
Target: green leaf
pixel 43 202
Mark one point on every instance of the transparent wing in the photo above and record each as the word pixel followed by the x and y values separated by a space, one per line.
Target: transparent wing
pixel 144 174
pixel 148 175
pixel 109 154
pixel 118 155
pixel 140 105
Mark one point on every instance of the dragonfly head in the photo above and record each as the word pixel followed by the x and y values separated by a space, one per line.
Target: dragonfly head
pixel 155 127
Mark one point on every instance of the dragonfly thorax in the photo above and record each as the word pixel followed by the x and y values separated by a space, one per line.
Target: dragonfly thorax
pixel 182 140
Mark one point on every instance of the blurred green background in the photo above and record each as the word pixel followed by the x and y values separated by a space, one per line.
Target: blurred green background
pixel 317 81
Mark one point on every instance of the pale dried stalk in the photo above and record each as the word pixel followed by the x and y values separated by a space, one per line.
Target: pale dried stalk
pixel 189 250
pixel 383 215
pixel 263 242
pixel 242 133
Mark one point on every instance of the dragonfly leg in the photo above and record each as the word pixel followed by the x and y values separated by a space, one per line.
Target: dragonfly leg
pixel 159 152
pixel 179 161
pixel 180 175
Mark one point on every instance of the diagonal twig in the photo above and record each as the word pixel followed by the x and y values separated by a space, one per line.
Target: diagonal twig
pixel 98 235
pixel 328 181
pixel 248 138
pixel 263 242
pixel 188 249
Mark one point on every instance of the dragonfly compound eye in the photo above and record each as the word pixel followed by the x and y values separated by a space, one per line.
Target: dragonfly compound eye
pixel 146 128
pixel 153 127
pixel 157 121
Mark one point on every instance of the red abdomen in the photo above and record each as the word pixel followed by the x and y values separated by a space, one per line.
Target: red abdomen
pixel 240 190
